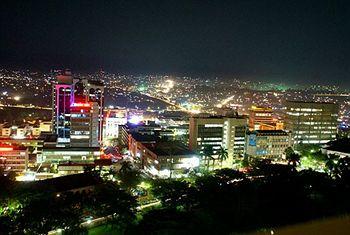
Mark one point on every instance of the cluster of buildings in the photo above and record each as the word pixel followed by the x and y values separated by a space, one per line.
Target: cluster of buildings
pixel 81 128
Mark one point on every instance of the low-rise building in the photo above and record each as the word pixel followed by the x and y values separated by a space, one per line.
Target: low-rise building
pixel 162 158
pixel 267 143
pixel 13 158
pixel 67 154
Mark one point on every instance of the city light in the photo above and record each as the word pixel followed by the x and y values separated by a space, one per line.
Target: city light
pixel 135 119
pixel 17 98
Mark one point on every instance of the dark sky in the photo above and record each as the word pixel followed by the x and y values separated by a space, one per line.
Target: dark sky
pixel 281 40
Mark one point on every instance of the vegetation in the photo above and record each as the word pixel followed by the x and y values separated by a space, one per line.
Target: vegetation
pixel 227 201
pixel 221 201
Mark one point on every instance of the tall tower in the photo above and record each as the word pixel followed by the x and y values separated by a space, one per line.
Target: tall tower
pixel 94 90
pixel 62 97
pixel 77 111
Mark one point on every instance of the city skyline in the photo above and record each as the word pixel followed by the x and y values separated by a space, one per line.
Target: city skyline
pixel 292 42
pixel 174 117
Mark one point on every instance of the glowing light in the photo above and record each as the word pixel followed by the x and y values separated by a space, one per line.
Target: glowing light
pixel 81 105
pixel 17 98
pixel 6 149
pixel 190 162
pixel 135 119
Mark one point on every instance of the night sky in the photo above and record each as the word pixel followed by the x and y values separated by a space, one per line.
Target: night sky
pixel 281 40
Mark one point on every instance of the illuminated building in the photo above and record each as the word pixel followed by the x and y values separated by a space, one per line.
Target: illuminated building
pixel 218 131
pixel 62 98
pixel 113 119
pixel 261 118
pixel 162 158
pixel 69 168
pixel 84 124
pixel 24 130
pixel 267 143
pixel 13 158
pixel 94 90
pixel 71 96
pixel 311 122
pixel 34 144
pixel 69 154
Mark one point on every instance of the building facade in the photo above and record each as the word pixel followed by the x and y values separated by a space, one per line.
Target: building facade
pixel 218 131
pixel 77 117
pixel 14 158
pixel 270 144
pixel 162 158
pixel 311 122
pixel 261 118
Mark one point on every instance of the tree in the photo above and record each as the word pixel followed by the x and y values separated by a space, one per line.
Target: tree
pixel 119 205
pixel 288 151
pixel 173 193
pixel 129 176
pixel 330 164
pixel 43 213
pixel 222 154
pixel 342 169
pixel 292 157
pixel 207 155
pixel 126 166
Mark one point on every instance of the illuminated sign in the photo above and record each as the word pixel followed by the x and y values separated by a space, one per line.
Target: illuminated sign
pixel 252 140
pixel 81 105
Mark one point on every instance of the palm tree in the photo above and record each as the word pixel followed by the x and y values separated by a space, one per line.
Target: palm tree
pixel 331 165
pixel 288 151
pixel 222 154
pixel 293 159
pixel 208 153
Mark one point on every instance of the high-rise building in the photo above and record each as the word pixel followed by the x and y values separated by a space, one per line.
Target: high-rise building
pixel 94 90
pixel 311 122
pixel 218 131
pixel 62 98
pixel 77 111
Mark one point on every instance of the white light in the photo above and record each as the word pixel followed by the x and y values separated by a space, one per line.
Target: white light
pixel 17 98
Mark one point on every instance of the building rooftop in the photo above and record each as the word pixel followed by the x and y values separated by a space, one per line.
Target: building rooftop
pixel 268 132
pixel 170 148
pixel 341 145
pixel 144 138
pixel 67 149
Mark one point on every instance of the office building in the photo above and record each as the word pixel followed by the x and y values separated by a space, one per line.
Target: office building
pixel 270 144
pixel 261 118
pixel 55 155
pixel 218 131
pixel 311 122
pixel 62 97
pixel 84 124
pixel 113 119
pixel 77 111
pixel 162 158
